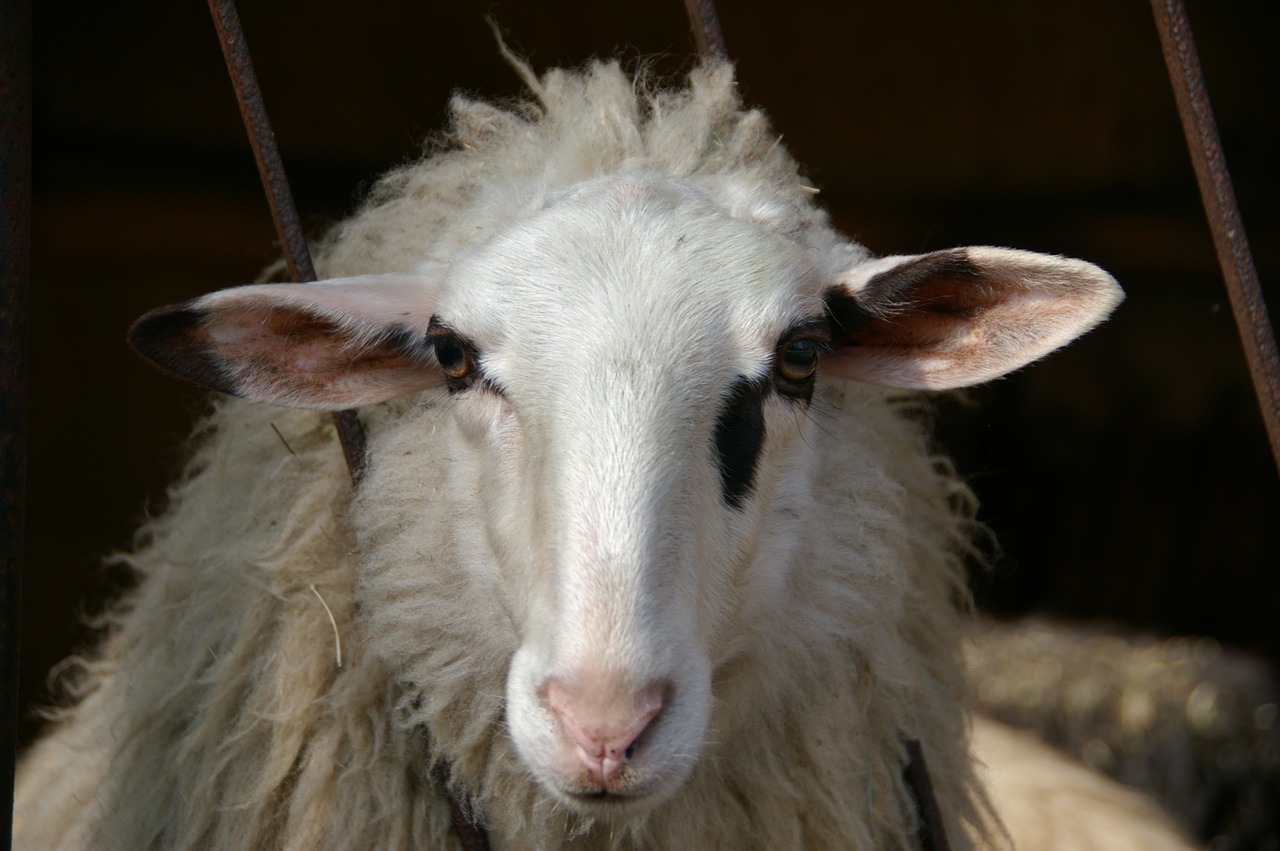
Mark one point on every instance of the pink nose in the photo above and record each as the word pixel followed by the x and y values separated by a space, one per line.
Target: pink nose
pixel 603 722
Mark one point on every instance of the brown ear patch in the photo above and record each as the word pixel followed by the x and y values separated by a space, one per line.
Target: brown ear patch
pixel 960 317
pixel 946 287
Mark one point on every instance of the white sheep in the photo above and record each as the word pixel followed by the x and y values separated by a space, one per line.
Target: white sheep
pixel 646 554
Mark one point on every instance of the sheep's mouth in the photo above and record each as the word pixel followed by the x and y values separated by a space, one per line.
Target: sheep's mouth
pixel 611 807
pixel 603 800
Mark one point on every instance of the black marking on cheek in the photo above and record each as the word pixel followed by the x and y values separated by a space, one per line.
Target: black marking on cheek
pixel 740 438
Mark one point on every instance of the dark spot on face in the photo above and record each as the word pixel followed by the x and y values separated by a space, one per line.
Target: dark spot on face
pixel 740 427
pixel 739 438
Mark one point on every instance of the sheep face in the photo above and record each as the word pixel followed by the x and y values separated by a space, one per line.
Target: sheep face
pixel 607 473
pixel 630 425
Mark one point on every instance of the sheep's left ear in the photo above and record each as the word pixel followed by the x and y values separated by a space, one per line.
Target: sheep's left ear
pixel 960 317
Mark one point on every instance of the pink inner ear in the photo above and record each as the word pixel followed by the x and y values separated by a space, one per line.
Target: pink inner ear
pixel 961 317
pixel 272 345
pixel 288 356
pixel 284 338
pixel 941 311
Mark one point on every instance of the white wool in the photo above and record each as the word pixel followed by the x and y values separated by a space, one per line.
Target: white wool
pixel 499 165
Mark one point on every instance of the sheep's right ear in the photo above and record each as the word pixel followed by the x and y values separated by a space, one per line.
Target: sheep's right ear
pixel 328 345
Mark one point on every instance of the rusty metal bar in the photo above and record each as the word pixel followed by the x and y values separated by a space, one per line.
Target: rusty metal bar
pixel 270 168
pixel 15 270
pixel 1216 191
pixel 706 28
pixel 276 185
pixel 298 259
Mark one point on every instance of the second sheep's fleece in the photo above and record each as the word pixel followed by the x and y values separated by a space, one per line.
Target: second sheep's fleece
pixel 651 551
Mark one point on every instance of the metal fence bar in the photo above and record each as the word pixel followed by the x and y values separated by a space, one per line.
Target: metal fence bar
pixel 276 185
pixel 15 269
pixel 706 27
pixel 298 258
pixel 1219 197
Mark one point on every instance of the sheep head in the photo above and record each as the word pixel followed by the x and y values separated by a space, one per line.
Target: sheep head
pixel 616 385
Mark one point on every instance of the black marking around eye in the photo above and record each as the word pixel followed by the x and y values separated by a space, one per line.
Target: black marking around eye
pixel 739 438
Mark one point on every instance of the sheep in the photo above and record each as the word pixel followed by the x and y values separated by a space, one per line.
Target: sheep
pixel 1183 718
pixel 651 549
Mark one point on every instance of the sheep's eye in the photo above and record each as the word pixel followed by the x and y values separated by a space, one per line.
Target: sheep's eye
pixel 798 359
pixel 453 356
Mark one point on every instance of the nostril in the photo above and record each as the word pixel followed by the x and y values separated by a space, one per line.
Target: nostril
pixel 602 720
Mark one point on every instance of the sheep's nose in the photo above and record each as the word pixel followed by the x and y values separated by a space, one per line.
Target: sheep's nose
pixel 604 721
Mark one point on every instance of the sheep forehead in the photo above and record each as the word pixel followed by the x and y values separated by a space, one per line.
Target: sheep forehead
pixel 632 265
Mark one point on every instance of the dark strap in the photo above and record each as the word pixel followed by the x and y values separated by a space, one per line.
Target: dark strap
pixel 471 836
pixel 932 833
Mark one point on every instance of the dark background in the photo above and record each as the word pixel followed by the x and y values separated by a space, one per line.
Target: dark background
pixel 1128 477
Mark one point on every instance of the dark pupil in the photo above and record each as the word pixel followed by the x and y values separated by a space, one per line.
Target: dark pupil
pixel 800 355
pixel 449 353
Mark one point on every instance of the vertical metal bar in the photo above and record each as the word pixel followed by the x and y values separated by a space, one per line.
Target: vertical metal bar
pixel 1243 289
pixel 15 268
pixel 276 185
pixel 706 28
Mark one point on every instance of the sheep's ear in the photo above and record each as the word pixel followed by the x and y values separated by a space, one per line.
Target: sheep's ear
pixel 960 317
pixel 329 345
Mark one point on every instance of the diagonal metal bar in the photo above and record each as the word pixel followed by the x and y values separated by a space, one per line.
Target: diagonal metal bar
pixel 270 167
pixel 706 28
pixel 301 269
pixel 276 184
pixel 1218 195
